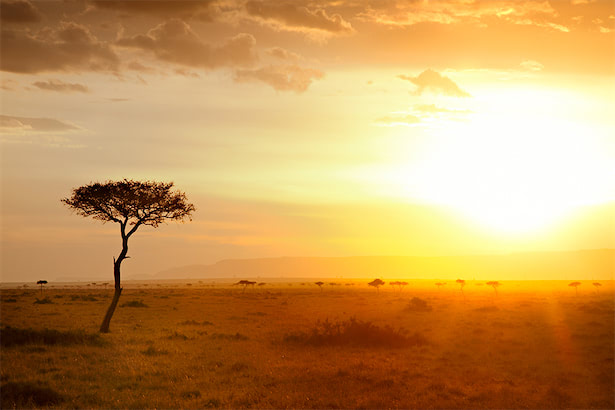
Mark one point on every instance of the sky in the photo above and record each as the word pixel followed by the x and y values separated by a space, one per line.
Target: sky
pixel 307 128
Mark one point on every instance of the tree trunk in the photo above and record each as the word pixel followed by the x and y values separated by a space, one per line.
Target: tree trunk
pixel 104 327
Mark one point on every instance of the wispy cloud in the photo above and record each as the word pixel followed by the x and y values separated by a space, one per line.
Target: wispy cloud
pixel 297 16
pixel 281 77
pixel 434 82
pixel 61 86
pixel 12 124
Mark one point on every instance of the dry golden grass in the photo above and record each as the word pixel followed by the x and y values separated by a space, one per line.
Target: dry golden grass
pixel 532 346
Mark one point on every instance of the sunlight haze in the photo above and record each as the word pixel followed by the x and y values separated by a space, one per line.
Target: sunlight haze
pixel 308 129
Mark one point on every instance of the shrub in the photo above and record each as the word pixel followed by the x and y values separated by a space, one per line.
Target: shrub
pixel 195 323
pixel 418 305
pixel 356 333
pixel 10 300
pixel 224 336
pixel 152 351
pixel 11 336
pixel 44 301
pixel 27 394
pixel 135 304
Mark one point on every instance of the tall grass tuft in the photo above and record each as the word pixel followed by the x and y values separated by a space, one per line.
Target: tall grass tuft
pixel 11 336
pixel 355 332
pixel 28 395
pixel 135 304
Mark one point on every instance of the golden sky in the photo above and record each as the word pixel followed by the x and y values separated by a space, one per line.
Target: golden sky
pixel 308 128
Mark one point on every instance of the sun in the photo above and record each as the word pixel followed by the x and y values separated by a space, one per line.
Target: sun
pixel 509 173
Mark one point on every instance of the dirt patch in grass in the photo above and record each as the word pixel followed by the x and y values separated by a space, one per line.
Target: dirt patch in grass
pixel 354 332
pixel 11 336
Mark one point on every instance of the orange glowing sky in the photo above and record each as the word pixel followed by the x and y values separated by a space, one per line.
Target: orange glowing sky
pixel 308 128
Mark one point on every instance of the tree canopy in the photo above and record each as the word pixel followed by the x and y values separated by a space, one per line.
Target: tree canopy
pixel 129 202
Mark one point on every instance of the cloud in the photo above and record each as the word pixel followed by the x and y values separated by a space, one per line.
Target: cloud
pixel 531 65
pixel 69 47
pixel 175 42
pixel 201 9
pixel 18 125
pixel 434 109
pixel 432 81
pixel 525 12
pixel 293 16
pixel 283 54
pixel 281 78
pixel 18 11
pixel 61 86
pixel 405 120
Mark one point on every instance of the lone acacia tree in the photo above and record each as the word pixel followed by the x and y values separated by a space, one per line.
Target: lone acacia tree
pixel 575 285
pixel 461 284
pixel 494 284
pixel 42 283
pixel 130 204
pixel 376 283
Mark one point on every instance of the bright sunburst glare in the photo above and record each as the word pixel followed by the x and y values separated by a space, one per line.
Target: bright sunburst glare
pixel 508 174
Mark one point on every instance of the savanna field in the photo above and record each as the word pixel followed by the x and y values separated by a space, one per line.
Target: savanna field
pixel 293 345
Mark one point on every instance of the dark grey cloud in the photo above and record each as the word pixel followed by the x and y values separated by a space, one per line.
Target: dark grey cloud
pixel 175 42
pixel 18 11
pixel 69 47
pixel 200 9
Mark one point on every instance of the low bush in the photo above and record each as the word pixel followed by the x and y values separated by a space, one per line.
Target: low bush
pixel 418 305
pixel 195 323
pixel 152 351
pixel 11 336
pixel 135 304
pixel 28 395
pixel 43 301
pixel 224 336
pixel 356 333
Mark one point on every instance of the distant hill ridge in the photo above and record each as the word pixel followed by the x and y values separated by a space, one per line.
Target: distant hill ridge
pixel 598 264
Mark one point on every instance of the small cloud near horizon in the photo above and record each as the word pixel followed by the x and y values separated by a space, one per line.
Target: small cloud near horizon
pixel 432 81
pixel 61 86
pixel 281 78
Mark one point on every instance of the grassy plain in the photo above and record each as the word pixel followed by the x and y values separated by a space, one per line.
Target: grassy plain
pixel 535 345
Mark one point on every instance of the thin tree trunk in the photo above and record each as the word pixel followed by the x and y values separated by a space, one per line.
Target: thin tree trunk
pixel 104 327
